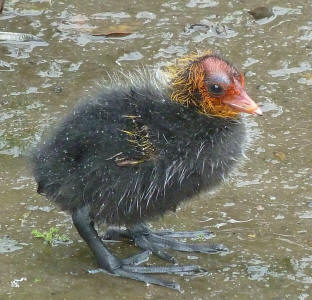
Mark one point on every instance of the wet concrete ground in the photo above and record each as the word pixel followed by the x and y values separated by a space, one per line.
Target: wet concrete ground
pixel 263 214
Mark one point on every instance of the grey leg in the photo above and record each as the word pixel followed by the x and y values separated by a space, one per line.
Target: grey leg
pixel 128 267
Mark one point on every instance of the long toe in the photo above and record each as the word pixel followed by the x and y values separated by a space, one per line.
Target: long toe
pixel 159 242
pixel 177 270
pixel 203 234
pixel 185 247
pixel 169 243
pixel 147 279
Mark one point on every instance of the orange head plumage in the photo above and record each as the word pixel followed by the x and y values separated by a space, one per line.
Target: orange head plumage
pixel 210 84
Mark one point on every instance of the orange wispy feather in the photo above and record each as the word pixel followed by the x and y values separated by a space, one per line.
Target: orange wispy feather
pixel 188 86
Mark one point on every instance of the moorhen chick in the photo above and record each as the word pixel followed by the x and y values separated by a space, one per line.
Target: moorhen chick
pixel 138 149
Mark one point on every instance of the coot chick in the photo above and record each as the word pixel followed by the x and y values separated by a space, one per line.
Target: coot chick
pixel 137 150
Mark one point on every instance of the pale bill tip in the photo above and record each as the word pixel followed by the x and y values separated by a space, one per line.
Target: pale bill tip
pixel 258 112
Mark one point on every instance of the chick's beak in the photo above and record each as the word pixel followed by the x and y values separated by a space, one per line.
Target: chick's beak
pixel 243 103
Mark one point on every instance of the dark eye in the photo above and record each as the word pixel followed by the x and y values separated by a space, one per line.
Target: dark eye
pixel 215 89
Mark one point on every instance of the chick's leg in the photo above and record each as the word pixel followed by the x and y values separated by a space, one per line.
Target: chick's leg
pixel 128 267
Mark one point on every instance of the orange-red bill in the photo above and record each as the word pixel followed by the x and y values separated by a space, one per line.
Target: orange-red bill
pixel 243 103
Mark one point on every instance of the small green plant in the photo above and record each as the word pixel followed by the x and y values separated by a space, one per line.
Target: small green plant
pixel 201 236
pixel 50 236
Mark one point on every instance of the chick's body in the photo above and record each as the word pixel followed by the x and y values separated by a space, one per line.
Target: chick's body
pixel 132 153
pixel 136 151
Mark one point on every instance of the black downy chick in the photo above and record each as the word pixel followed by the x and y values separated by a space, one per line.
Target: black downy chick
pixel 136 151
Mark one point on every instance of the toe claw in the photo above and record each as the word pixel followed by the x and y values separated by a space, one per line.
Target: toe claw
pixel 165 256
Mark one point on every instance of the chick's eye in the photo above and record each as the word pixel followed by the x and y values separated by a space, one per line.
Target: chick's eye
pixel 215 89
